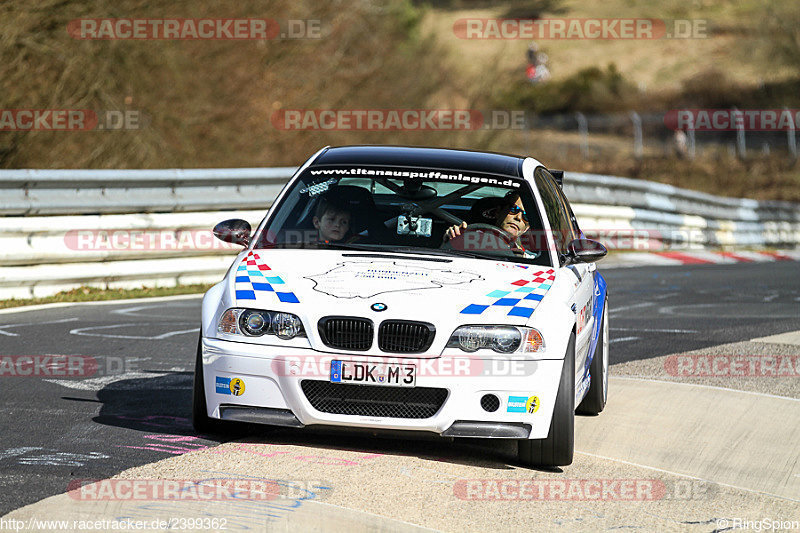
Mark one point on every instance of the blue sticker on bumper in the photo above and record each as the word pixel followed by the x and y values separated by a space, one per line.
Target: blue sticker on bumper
pixel 223 385
pixel 516 404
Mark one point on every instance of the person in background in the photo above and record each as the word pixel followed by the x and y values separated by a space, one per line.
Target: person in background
pixel 537 70
pixel 533 50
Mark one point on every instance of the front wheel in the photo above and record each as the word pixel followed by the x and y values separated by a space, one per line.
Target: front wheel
pixel 557 449
pixel 595 400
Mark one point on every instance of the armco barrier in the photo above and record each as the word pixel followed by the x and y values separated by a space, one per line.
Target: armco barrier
pixel 60 228
pixel 81 192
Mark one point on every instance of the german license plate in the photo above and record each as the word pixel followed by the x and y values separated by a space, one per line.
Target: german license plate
pixel 358 373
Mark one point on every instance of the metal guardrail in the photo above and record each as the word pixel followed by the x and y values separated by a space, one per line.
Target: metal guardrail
pixel 613 190
pixel 56 192
pixel 82 192
pixel 42 207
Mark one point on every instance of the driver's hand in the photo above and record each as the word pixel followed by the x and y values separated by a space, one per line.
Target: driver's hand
pixel 454 231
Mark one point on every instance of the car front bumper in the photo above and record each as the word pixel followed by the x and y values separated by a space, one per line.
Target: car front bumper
pixel 262 384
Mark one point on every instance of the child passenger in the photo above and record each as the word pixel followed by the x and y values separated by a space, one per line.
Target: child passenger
pixel 331 221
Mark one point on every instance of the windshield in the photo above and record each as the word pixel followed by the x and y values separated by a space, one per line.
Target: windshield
pixel 442 212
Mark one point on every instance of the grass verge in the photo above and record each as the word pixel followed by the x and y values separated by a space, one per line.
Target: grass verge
pixel 92 294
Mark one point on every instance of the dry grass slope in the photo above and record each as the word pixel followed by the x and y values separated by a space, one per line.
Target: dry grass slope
pixel 209 103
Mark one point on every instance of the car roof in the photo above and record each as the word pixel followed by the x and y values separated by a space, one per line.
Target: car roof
pixel 410 156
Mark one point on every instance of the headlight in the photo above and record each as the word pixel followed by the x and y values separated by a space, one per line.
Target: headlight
pixel 229 322
pixel 256 322
pixel 501 339
pixel 287 326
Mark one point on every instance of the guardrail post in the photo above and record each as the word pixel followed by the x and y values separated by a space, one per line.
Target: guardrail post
pixel 637 134
pixel 741 146
pixel 583 129
pixel 690 144
pixel 790 133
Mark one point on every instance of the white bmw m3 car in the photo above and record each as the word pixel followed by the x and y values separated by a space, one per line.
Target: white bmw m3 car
pixel 410 290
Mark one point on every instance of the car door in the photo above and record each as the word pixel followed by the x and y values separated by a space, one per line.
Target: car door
pixel 565 229
pixel 585 297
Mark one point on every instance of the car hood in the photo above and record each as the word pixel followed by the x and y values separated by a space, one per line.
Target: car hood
pixel 316 283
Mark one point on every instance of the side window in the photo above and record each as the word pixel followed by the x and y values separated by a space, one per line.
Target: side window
pixel 556 209
pixel 567 209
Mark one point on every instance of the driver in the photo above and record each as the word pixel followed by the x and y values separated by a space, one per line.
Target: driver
pixel 510 217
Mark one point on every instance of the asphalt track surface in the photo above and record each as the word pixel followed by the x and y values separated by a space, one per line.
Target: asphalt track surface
pixel 135 410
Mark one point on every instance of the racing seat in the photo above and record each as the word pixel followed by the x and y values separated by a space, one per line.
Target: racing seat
pixel 484 211
pixel 358 201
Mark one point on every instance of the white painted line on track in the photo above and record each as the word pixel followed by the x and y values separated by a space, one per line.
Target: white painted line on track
pixel 82 332
pixel 649 330
pixel 96 384
pixel 665 296
pixel 13 452
pixel 629 307
pixel 623 339
pixel 56 305
pixel 6 333
pixel 682 310
pixel 133 311
pixel 687 476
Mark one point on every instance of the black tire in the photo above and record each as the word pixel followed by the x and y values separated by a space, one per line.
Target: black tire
pixel 595 400
pixel 557 449
pixel 200 420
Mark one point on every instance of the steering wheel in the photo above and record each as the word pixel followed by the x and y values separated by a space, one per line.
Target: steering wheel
pixel 483 238
pixel 507 237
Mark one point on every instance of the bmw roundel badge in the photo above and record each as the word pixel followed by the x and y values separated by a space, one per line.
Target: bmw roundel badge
pixel 378 307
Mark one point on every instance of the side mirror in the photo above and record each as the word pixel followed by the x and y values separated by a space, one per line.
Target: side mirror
pixel 236 231
pixel 585 251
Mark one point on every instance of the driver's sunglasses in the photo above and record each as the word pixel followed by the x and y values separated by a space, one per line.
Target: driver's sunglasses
pixel 514 209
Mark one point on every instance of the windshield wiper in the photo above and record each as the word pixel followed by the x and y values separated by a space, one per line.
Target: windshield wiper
pixel 348 246
pixel 377 248
pixel 384 248
pixel 451 252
